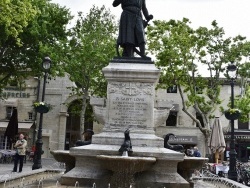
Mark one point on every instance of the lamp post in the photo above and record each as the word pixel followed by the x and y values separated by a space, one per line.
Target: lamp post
pixel 232 173
pixel 39 142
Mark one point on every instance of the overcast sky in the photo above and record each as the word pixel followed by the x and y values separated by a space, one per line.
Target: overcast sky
pixel 232 15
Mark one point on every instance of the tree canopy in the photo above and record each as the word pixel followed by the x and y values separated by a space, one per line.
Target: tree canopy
pixel 36 30
pixel 15 16
pixel 90 48
pixel 195 60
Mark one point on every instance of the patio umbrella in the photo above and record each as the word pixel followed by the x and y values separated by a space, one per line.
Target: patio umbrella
pixel 217 142
pixel 12 128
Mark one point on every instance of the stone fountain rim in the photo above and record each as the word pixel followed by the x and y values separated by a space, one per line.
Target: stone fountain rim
pixel 187 158
pixel 129 158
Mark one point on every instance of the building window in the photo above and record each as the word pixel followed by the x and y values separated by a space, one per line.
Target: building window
pixel 9 110
pixel 243 125
pixel 199 117
pixel 172 89
pixel 172 119
pixel 2 143
pixel 30 115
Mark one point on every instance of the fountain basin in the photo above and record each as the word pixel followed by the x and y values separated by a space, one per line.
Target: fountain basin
pixel 63 156
pixel 89 169
pixel 187 167
pixel 124 168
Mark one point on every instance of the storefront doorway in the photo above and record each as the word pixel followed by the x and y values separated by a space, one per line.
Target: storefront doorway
pixel 73 123
pixel 244 152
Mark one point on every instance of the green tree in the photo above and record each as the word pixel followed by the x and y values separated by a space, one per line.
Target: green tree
pixel 91 46
pixel 15 16
pixel 21 52
pixel 184 54
pixel 242 101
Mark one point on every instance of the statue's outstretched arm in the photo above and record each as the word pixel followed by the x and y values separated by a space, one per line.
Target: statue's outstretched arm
pixel 145 11
pixel 117 2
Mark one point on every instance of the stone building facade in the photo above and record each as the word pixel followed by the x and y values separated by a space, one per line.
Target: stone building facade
pixel 54 122
pixel 61 130
pixel 189 134
pixel 22 99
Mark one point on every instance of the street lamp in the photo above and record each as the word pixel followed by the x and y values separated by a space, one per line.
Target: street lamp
pixel 232 173
pixel 39 143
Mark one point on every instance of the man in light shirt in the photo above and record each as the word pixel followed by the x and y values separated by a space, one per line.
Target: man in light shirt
pixel 20 146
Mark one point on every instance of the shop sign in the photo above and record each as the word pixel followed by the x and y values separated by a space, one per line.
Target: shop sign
pixel 16 94
pixel 183 140
pixel 239 137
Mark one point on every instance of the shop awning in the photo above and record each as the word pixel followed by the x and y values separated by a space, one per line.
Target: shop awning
pixel 21 125
pixel 11 102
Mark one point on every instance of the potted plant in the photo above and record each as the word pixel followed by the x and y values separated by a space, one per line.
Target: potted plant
pixel 42 107
pixel 232 114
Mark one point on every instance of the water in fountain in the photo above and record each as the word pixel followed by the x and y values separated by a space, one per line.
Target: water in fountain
pixel 5 178
pixel 124 167
pixel 4 183
pixel 77 184
pixel 22 182
pixel 40 183
pixel 125 154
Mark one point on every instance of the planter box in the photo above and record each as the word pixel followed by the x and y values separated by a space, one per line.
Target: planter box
pixel 232 116
pixel 42 109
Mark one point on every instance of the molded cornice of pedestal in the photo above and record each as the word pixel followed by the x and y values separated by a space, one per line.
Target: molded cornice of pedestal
pixel 131 69
pixel 117 138
pixel 96 149
pixel 132 60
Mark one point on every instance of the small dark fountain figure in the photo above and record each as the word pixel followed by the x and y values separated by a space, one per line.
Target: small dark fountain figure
pixel 87 134
pixel 178 148
pixel 131 29
pixel 127 145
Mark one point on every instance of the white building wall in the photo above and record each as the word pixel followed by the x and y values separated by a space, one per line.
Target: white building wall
pixel 57 94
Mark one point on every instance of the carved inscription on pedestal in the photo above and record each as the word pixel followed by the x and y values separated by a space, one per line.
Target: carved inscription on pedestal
pixel 130 104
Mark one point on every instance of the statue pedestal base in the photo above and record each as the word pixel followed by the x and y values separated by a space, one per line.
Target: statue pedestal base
pixel 129 105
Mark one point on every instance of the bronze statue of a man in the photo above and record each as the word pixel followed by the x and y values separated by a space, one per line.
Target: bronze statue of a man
pixel 131 29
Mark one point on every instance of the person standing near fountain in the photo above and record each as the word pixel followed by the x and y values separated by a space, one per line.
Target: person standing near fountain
pixel 87 134
pixel 196 152
pixel 20 146
pixel 131 29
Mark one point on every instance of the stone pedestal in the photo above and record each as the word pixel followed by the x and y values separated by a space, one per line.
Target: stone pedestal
pixel 129 105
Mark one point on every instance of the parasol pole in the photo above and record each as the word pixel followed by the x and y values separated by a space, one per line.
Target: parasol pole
pixel 5 143
pixel 217 154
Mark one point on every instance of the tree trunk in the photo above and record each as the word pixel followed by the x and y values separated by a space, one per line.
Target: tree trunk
pixel 205 131
pixel 82 116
